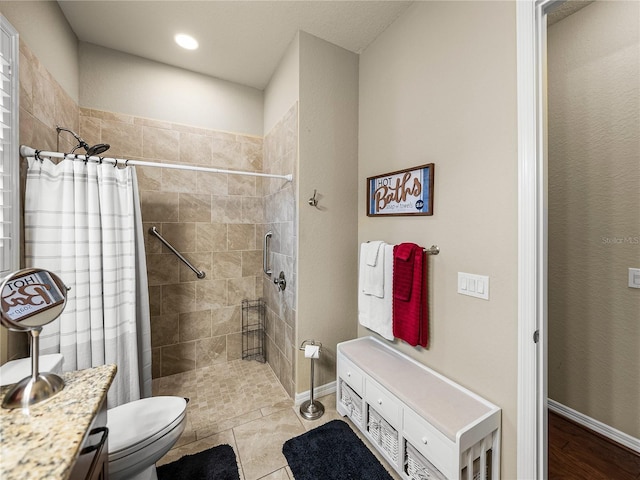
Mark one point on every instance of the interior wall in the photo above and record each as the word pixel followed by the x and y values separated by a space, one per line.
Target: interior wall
pixel 44 28
pixel 439 85
pixel 327 234
pixel 594 212
pixel 118 82
pixel 283 90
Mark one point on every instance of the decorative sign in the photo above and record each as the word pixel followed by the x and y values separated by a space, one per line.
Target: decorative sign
pixel 405 192
pixel 26 295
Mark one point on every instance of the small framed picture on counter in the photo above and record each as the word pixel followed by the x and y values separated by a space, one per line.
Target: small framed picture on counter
pixel 404 192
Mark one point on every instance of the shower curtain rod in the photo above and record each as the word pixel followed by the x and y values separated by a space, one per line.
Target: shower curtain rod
pixel 31 152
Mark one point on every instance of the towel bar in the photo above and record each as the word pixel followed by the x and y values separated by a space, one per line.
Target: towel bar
pixel 432 250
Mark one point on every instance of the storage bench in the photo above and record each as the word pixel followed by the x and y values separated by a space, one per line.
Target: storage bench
pixel 425 425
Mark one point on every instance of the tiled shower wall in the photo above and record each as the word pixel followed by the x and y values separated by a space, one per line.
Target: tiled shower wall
pixel 43 105
pixel 280 157
pixel 213 219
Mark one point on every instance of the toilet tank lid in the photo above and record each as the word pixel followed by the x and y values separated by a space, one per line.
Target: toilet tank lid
pixel 137 421
pixel 15 370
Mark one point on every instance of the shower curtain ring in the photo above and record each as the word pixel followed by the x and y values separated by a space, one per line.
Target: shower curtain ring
pixel 115 164
pixel 37 155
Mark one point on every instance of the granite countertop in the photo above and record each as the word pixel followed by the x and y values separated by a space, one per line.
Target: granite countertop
pixel 45 442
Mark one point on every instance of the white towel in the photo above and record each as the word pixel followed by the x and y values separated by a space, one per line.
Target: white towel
pixel 376 313
pixel 372 268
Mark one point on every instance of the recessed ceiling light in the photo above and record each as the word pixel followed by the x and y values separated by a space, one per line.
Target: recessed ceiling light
pixel 186 41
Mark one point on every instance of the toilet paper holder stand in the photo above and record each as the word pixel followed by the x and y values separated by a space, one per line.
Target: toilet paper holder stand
pixel 311 409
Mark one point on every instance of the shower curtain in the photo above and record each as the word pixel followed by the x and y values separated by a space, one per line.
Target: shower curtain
pixel 83 222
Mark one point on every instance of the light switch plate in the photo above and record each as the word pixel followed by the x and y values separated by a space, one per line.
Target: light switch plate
pixel 634 278
pixel 473 285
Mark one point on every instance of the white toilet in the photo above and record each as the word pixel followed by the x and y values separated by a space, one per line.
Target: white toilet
pixel 140 432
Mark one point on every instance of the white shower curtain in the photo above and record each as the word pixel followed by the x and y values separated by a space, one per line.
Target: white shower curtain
pixel 83 222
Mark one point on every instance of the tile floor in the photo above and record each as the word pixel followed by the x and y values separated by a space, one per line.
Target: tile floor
pixel 241 403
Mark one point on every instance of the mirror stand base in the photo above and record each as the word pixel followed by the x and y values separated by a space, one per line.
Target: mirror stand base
pixel 30 391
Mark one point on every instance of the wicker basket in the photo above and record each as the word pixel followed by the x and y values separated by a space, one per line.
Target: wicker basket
pixel 352 401
pixel 419 468
pixel 383 434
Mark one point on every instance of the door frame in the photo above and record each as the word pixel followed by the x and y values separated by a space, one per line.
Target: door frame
pixel 532 438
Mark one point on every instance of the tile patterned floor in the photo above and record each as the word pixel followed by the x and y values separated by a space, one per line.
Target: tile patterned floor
pixel 242 404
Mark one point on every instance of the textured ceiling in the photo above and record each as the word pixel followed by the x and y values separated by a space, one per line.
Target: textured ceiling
pixel 565 9
pixel 240 41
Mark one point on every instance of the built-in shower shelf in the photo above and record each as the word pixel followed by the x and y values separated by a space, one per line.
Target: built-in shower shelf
pixel 253 330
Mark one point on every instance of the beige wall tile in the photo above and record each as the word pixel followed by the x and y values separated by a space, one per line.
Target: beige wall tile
pixel 178 180
pixel 196 149
pixel 242 185
pixel 210 351
pixel 195 325
pixel 178 298
pixel 178 358
pixel 194 208
pixel 242 237
pixel 164 330
pixel 182 236
pixel 163 269
pixel 226 320
pixel 211 237
pixel 26 81
pixel 159 206
pixel 201 261
pixel 155 300
pixel 240 289
pixel 227 265
pixel 149 178
pixel 212 183
pixel 251 263
pixel 44 98
pixel 234 346
pixel 125 138
pixel 160 143
pixel 66 111
pixel 90 129
pixel 156 362
pixel 252 210
pixel 151 243
pixel 211 294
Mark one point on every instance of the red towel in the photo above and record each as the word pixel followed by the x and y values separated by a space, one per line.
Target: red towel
pixel 410 319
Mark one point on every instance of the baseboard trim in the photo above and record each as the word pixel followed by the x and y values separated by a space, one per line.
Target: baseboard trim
pixel 611 433
pixel 320 391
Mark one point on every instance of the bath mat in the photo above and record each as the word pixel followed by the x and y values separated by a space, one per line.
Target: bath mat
pixel 332 452
pixel 217 463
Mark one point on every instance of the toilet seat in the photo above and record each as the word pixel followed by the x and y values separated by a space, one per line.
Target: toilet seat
pixel 135 425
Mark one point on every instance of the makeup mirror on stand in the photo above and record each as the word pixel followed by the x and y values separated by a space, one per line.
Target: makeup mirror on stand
pixel 30 299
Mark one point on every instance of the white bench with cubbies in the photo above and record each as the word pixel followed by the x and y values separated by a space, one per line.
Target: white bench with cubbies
pixel 425 425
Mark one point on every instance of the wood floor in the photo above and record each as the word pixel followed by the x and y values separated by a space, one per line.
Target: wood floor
pixel 577 453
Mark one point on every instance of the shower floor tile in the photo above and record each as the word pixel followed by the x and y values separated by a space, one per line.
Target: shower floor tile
pixel 242 404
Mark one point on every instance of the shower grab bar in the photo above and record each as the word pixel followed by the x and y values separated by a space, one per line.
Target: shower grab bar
pixel 265 253
pixel 154 231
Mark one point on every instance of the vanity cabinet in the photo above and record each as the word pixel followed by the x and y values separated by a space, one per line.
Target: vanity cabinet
pixel 425 425
pixel 93 460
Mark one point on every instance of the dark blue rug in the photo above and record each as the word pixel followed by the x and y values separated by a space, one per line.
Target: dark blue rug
pixel 332 452
pixel 217 463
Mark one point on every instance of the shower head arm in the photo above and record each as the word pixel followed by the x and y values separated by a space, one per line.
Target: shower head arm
pixel 81 142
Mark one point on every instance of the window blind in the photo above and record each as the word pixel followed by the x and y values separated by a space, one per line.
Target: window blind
pixel 9 156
